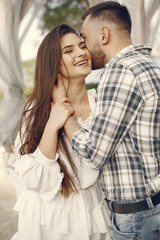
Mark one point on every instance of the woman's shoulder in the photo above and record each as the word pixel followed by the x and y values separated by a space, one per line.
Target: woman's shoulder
pixel 92 93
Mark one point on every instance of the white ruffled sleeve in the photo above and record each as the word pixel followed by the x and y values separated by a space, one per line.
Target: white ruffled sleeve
pixel 37 173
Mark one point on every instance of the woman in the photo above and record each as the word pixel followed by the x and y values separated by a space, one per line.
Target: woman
pixel 60 197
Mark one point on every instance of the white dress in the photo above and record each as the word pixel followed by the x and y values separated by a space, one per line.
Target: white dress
pixel 44 213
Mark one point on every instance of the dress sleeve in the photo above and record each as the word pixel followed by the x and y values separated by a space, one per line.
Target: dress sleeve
pixel 37 173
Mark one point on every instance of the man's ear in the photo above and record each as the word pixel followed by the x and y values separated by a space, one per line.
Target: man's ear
pixel 105 35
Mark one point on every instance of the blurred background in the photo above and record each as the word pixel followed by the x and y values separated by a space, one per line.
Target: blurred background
pixel 24 23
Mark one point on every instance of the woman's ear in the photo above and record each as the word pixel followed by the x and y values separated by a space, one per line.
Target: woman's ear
pixel 105 35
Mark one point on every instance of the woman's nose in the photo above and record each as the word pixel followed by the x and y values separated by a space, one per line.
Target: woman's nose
pixel 80 52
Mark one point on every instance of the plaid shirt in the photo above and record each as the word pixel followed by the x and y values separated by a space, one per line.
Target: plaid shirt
pixel 124 137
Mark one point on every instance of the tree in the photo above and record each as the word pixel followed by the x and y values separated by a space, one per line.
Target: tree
pixel 61 11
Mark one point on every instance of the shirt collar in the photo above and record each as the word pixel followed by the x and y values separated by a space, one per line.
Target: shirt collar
pixel 146 49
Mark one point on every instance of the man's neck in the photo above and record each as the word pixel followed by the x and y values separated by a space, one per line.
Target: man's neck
pixel 115 48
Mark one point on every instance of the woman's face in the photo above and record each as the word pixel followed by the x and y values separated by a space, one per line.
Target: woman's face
pixel 76 59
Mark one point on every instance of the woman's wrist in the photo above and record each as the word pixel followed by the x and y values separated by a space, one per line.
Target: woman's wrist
pixel 48 142
pixel 52 127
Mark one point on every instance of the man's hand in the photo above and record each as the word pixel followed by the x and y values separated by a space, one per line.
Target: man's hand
pixel 58 91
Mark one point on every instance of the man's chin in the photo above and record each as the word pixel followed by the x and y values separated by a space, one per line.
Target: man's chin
pixel 96 67
pixel 97 64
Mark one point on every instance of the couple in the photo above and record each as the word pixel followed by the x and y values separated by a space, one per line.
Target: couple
pixel 112 136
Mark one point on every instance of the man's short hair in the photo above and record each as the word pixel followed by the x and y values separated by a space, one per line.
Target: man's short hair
pixel 112 12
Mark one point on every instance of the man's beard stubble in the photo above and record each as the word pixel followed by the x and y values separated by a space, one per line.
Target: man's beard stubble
pixel 98 57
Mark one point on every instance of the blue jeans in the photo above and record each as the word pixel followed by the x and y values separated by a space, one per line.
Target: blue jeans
pixel 143 225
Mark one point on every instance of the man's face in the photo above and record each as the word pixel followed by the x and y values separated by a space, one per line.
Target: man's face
pixel 90 34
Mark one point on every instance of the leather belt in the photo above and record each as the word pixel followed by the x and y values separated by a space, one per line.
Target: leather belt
pixel 126 208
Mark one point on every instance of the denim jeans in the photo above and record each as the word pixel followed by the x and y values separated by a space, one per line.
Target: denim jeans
pixel 143 225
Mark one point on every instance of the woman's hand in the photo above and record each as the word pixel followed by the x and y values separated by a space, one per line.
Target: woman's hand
pixel 60 112
pixel 58 91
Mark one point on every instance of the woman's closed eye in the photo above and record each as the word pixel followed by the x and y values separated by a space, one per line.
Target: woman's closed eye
pixel 83 45
pixel 68 51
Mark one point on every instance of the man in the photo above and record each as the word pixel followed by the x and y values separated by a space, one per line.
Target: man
pixel 124 138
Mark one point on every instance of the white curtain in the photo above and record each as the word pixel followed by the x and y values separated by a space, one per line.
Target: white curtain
pixel 145 15
pixel 11 72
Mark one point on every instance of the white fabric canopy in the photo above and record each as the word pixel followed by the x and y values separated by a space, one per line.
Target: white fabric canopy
pixel 145 15
pixel 11 72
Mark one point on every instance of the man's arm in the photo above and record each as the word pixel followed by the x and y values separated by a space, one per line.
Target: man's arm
pixel 118 103
pixel 71 127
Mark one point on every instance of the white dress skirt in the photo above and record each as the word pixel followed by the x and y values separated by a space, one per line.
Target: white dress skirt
pixel 44 213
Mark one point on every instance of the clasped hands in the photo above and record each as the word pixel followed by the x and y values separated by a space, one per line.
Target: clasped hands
pixel 61 108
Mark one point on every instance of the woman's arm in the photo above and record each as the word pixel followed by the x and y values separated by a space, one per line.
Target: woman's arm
pixel 58 116
pixel 39 171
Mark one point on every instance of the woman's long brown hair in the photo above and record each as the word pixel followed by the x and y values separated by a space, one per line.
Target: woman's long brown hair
pixel 38 105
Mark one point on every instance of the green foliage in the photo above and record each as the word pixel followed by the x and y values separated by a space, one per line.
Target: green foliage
pixel 62 11
pixel 91 85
